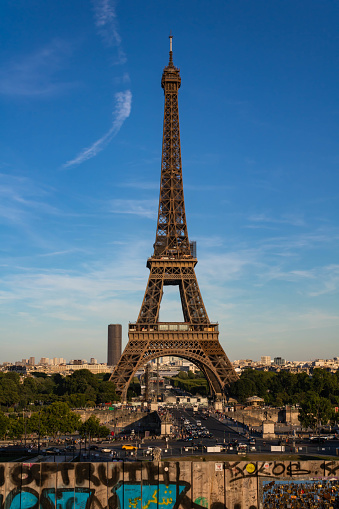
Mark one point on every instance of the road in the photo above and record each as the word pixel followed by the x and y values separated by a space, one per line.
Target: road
pixel 222 431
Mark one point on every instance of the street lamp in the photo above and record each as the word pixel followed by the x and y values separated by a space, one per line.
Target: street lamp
pixel 39 434
pixel 24 416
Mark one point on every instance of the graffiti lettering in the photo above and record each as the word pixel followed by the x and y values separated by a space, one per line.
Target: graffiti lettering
pixel 85 472
pixel 238 470
pixel 165 485
pixel 150 496
pixel 295 469
pixel 25 498
pixel 330 467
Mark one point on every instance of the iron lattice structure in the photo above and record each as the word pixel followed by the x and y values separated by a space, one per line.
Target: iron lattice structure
pixel 172 263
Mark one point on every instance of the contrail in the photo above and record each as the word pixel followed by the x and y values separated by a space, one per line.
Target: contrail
pixel 121 112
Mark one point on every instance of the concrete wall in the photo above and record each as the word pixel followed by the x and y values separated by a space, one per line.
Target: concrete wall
pixel 169 485
pixel 120 416
pixel 254 416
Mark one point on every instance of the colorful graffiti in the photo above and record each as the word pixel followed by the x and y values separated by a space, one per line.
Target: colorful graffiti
pixel 150 496
pixel 170 485
pixel 301 494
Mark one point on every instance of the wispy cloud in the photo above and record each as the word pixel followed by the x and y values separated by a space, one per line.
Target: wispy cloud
pixel 121 113
pixel 143 208
pixel 313 282
pixel 138 184
pixel 19 195
pixel 329 279
pixel 228 266
pixel 288 245
pixel 107 24
pixel 76 294
pixel 263 219
pixel 35 74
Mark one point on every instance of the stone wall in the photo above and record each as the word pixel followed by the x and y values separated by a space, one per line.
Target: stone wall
pixel 254 416
pixel 125 420
pixel 121 417
pixel 170 485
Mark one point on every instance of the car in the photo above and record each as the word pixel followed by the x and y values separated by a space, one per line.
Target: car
pixel 128 447
pixel 105 449
pixel 52 450
pixel 318 440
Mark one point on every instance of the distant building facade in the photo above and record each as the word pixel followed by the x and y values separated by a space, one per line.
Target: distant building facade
pixel 279 361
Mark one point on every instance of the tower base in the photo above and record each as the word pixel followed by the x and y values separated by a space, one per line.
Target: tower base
pixel 196 343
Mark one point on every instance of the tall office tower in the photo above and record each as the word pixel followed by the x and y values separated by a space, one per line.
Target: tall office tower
pixel 266 360
pixel 93 361
pixel 193 248
pixel 279 361
pixel 114 344
pixel 31 361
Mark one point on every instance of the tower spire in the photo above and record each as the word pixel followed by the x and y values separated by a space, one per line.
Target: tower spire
pixel 171 50
pixel 171 235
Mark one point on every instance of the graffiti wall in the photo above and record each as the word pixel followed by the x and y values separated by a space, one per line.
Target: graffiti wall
pixel 170 485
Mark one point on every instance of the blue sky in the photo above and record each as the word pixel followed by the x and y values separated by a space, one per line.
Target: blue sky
pixel 81 133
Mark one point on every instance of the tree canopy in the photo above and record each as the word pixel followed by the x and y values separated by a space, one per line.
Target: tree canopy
pixel 80 389
pixel 316 394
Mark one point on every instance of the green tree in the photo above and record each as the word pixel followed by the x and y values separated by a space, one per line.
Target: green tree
pixel 182 375
pixel 4 425
pixel 106 392
pixel 9 388
pixel 315 410
pixel 58 417
pixel 92 427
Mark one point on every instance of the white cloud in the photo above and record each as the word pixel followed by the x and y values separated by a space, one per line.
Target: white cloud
pixel 121 113
pixel 227 266
pixel 35 75
pixel 313 282
pixel 138 184
pixel 291 219
pixel 19 197
pixel 143 208
pixel 107 24
pixel 91 291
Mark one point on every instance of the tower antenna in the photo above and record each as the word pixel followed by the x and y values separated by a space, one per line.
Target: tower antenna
pixel 171 48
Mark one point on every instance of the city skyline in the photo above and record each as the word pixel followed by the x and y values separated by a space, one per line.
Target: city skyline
pixel 80 168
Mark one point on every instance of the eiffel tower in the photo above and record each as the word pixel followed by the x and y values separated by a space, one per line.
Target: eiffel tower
pixel 172 263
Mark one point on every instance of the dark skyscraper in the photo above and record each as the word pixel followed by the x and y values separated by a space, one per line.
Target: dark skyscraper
pixel 114 344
